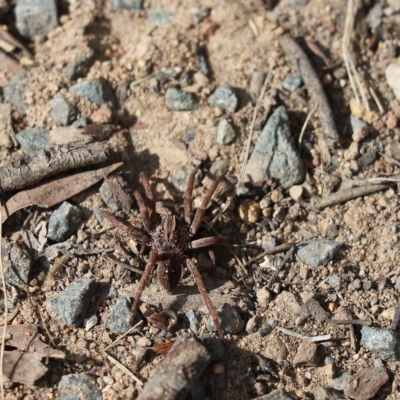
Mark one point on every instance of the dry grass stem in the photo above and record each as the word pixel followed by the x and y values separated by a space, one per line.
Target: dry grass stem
pixel 124 369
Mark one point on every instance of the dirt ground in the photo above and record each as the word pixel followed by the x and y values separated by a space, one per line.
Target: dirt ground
pixel 239 41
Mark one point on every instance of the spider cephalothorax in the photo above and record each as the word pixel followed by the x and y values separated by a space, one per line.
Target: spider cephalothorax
pixel 169 238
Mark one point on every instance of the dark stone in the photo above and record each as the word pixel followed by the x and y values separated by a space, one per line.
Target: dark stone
pixel 36 17
pixel 63 222
pixel 71 306
pixel 159 17
pixel 14 91
pixel 33 139
pixel 179 100
pixel 215 346
pixel 78 387
pixel 79 67
pixel 63 112
pixel 96 90
pixel 307 355
pixel 317 252
pixel 189 135
pixel 224 97
pixel 231 321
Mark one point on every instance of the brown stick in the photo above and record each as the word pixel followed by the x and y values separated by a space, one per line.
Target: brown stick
pixel 299 59
pixel 28 169
pixel 349 194
pixel 177 373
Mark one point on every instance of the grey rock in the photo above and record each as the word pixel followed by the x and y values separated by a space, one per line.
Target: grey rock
pixel 317 252
pixel 225 133
pixel 96 90
pixel 63 112
pixel 180 177
pixel 353 124
pixel 219 167
pixel 36 17
pixel 71 306
pixel 17 266
pixel 334 281
pixel 109 197
pixel 79 387
pixel 274 155
pixel 231 321
pixel 63 222
pixel 160 17
pixel 14 91
pixel 203 63
pixel 385 343
pixel 292 81
pixel 215 346
pixel 189 135
pixel 179 100
pixel 79 67
pixel 192 320
pixel 132 5
pixel 80 122
pixel 224 97
pixel 32 139
pixel 393 78
pixel 120 315
pixel 374 17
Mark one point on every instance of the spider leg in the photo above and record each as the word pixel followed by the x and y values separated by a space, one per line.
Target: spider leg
pixel 143 281
pixel 144 211
pixel 207 241
pixel 202 209
pixel 150 199
pixel 203 291
pixel 188 197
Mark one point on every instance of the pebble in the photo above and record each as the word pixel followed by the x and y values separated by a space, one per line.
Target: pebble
pixel 292 81
pixel 79 67
pixel 317 252
pixel 71 305
pixel 263 297
pixel 189 135
pixel 118 320
pixel 33 139
pixel 219 167
pixel 249 211
pixel 226 133
pixel 393 78
pixel 274 155
pixel 79 386
pixel 159 17
pixel 296 192
pixel 307 355
pixel 14 91
pixel 366 383
pixel 224 97
pixel 144 341
pixel 102 116
pixel 17 266
pixel 180 100
pixel 192 319
pixel 252 325
pixel 352 152
pixel 132 5
pixel 63 222
pixel 35 17
pixel 231 321
pixel 63 112
pixel 385 343
pixel 96 90
pixel 180 177
pixel 110 197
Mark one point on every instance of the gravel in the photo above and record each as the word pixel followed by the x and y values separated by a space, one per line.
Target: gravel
pixel 63 222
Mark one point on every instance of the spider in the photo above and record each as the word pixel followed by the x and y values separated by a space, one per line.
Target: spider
pixel 169 238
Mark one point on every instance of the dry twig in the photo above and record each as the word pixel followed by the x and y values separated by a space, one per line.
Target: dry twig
pixel 320 338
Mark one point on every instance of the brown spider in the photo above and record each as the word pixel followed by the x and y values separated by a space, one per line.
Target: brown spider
pixel 169 237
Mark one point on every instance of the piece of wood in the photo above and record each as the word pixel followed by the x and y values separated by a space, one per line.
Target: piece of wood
pixel 181 367
pixel 28 169
pixel 300 60
pixel 50 193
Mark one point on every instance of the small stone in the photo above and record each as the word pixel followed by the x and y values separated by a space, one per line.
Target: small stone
pixel 385 343
pixel 307 355
pixel 312 308
pixel 63 112
pixel 131 5
pixel 63 222
pixel 96 90
pixel 79 67
pixel 389 313
pixel 192 319
pixel 36 17
pixel 393 150
pixel 33 139
pixel 180 100
pixel 17 266
pixel 102 116
pixel 366 383
pixel 189 135
pixel 392 121
pixel 352 152
pixel 119 319
pixel 224 97
pixel 253 324
pixel 14 91
pixel 263 297
pixel 292 81
pixel 249 211
pixel 317 252
pixel 219 167
pixel 226 133
pixel 275 349
pixel 159 17
pixel 393 78
pixel 79 386
pixel 231 321
pixel 295 192
pixel 276 196
pixel 279 213
pixel 71 306
pixel 144 341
